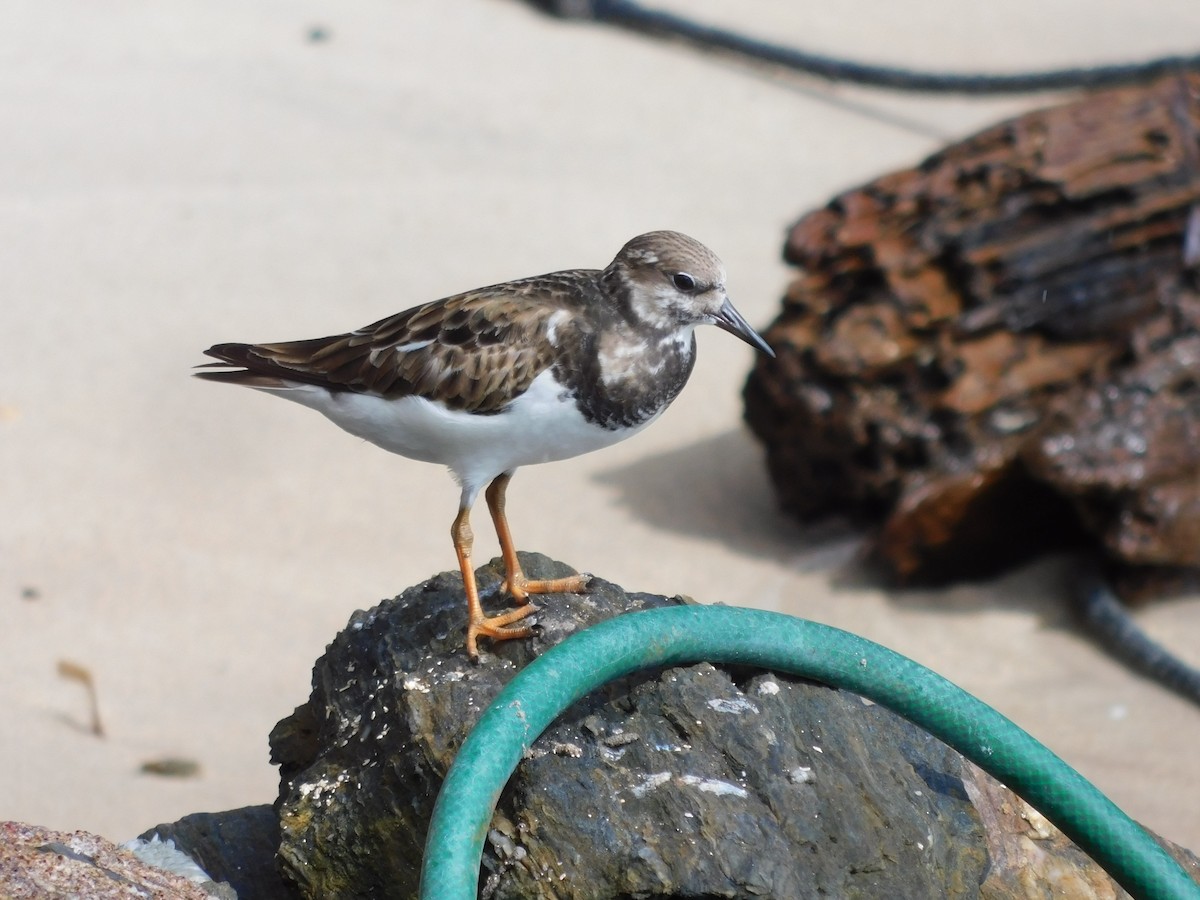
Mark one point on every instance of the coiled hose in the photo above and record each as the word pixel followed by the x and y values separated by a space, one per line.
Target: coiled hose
pixel 720 634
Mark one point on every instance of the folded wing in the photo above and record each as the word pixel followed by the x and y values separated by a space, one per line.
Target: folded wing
pixel 476 351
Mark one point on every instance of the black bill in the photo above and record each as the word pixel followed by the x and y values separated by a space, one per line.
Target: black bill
pixel 729 319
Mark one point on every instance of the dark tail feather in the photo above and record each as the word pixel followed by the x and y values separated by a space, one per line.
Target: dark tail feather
pixel 253 370
pixel 256 366
pixel 234 355
pixel 244 377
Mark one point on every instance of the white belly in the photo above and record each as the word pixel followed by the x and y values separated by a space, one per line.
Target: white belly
pixel 541 425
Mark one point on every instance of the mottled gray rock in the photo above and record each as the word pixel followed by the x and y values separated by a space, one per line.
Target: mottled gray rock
pixel 393 699
pixel 236 847
pixel 703 782
pixel 685 782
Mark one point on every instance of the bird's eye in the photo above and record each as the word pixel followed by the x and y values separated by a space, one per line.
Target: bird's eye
pixel 683 282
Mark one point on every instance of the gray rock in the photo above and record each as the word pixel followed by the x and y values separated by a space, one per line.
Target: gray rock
pixel 393 698
pixel 692 781
pixel 704 782
pixel 236 847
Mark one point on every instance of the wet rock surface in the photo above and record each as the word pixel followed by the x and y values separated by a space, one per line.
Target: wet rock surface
pixel 690 781
pixel 996 352
pixel 236 847
pixel 393 699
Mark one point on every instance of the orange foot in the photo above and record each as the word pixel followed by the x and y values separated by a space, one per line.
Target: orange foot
pixel 519 587
pixel 498 628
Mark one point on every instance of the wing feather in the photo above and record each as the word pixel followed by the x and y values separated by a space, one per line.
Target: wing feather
pixel 476 351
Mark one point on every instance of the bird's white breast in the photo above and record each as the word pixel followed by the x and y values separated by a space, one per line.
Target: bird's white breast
pixel 541 425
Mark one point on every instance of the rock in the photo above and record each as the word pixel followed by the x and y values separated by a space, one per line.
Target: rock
pixel 1031 858
pixel 40 864
pixel 703 782
pixel 236 847
pixel 1126 452
pixel 690 781
pixel 393 698
pixel 994 353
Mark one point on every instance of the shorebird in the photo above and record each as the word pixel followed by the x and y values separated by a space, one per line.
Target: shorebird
pixel 523 372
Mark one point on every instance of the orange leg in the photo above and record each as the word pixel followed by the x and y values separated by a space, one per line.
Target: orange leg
pixel 516 583
pixel 498 628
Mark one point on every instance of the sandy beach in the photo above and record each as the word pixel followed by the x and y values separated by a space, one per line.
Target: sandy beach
pixel 182 173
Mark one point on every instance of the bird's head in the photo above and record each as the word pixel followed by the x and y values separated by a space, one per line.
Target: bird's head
pixel 674 282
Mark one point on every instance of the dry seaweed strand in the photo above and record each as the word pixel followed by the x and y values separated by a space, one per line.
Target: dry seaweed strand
pixel 75 672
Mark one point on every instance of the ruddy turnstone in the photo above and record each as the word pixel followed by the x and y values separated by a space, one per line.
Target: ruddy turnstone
pixel 524 372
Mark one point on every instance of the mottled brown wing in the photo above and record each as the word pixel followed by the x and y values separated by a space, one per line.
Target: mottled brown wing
pixel 475 351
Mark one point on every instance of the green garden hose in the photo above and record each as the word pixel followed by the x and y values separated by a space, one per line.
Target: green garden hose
pixel 719 634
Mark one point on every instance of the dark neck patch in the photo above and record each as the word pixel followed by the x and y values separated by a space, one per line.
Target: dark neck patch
pixel 652 376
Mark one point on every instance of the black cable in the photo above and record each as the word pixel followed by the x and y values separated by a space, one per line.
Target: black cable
pixel 1109 620
pixel 664 24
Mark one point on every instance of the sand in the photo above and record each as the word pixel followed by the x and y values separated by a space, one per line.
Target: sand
pixel 182 173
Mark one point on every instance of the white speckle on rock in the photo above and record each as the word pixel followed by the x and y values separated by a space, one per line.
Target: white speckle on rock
pixel 801 775
pixel 672 748
pixel 707 785
pixel 650 783
pixel 713 785
pixel 314 790
pixel 736 707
